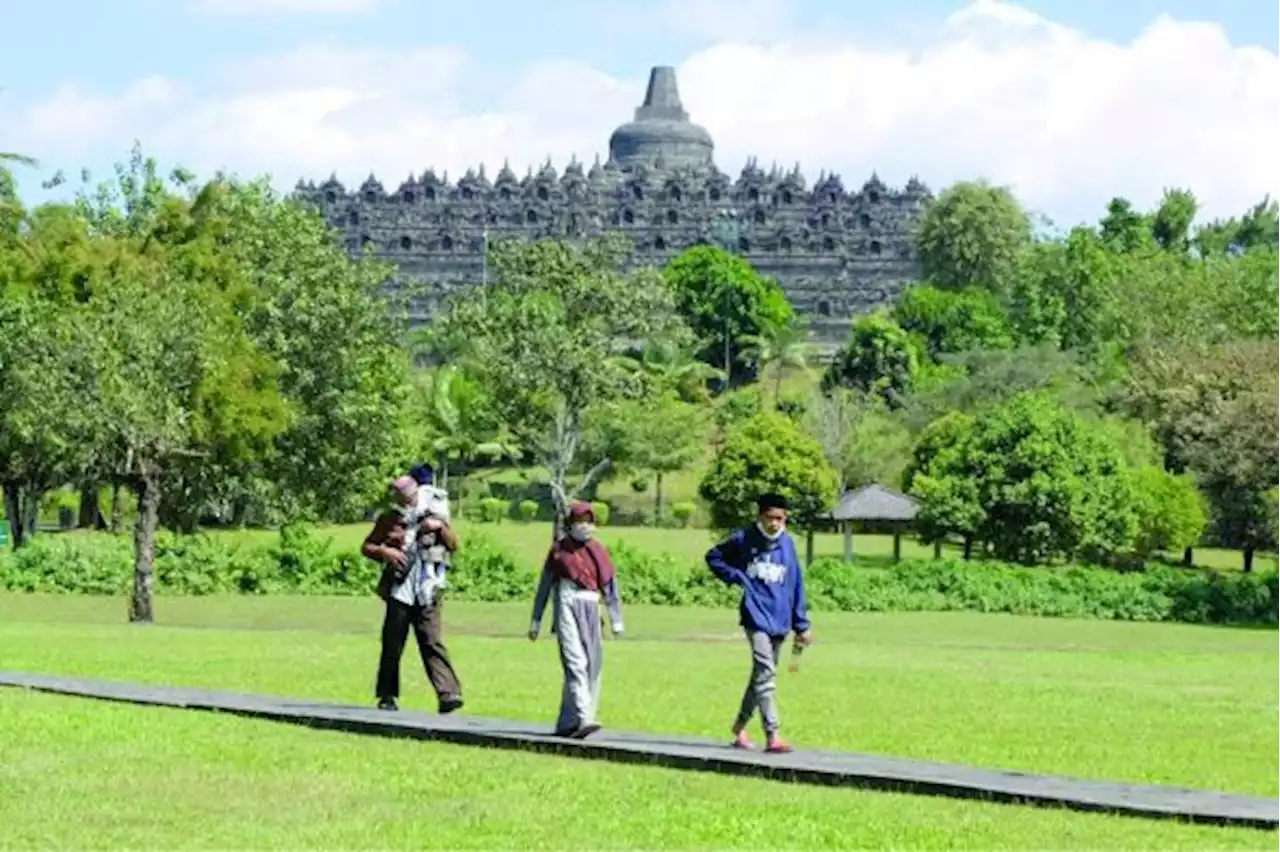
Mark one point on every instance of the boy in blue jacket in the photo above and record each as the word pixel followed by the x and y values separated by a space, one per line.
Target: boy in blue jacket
pixel 762 560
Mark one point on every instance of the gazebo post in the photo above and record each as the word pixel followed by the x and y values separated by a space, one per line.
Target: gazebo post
pixel 897 545
pixel 847 528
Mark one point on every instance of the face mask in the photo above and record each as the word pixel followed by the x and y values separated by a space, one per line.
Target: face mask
pixel 582 532
pixel 770 536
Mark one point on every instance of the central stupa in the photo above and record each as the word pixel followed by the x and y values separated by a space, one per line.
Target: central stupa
pixel 661 132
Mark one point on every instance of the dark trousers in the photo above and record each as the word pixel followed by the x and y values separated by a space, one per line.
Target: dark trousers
pixel 425 622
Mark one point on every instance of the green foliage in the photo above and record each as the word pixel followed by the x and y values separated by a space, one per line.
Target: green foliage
pixel 602 512
pixel 739 406
pixel 768 453
pixel 726 303
pixel 528 510
pixel 879 358
pixel 1029 479
pixel 953 320
pixel 302 563
pixel 972 235
pixel 493 509
pixel 1171 224
pixel 1171 512
pixel 542 339
pixel 683 513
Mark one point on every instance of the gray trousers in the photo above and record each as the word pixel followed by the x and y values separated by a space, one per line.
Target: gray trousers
pixel 581 655
pixel 762 687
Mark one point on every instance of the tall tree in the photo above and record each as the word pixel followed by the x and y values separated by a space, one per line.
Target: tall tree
pixel 542 336
pixel 879 358
pixel 726 303
pixel 972 236
pixel 781 347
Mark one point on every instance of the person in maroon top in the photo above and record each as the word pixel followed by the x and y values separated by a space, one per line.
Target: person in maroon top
pixel 578 569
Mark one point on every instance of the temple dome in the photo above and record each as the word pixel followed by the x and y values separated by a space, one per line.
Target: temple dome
pixel 661 131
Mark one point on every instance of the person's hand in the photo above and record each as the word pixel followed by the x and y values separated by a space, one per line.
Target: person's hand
pixel 432 524
pixel 617 630
pixel 534 630
pixel 804 639
pixel 395 557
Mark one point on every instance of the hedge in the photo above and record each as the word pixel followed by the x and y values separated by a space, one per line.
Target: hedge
pixel 300 562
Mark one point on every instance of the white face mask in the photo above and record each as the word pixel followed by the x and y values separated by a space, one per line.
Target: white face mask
pixel 582 532
pixel 771 536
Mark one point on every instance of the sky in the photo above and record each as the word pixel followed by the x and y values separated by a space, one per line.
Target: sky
pixel 1069 103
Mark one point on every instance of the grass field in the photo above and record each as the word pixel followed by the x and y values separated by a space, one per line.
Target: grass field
pixel 1150 703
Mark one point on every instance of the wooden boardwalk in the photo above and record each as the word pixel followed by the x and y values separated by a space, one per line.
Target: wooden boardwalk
pixel 804 766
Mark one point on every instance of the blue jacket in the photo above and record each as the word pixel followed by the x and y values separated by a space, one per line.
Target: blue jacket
pixel 773 600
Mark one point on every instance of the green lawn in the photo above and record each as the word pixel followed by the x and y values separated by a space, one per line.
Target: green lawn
pixel 1150 703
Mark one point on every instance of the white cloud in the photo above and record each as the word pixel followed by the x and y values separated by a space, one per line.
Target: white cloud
pixel 285 7
pixel 1067 119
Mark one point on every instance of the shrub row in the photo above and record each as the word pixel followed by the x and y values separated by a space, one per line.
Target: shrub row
pixel 300 562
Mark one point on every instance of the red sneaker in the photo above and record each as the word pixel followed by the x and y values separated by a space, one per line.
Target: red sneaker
pixel 742 741
pixel 777 745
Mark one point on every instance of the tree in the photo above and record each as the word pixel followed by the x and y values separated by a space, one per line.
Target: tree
pixel 972 235
pixel 663 436
pixel 832 420
pixel 1171 512
pixel 46 429
pixel 182 380
pixel 465 422
pixel 768 453
pixel 985 378
pixel 542 337
pixel 953 320
pixel 1029 479
pixel 48 376
pixel 1171 223
pixel 672 365
pixel 950 501
pixel 1258 229
pixel 726 303
pixel 1238 465
pixel 344 370
pixel 879 358
pixel 1123 229
pixel 781 347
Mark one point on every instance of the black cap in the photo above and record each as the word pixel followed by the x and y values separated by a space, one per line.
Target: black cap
pixel 423 474
pixel 765 502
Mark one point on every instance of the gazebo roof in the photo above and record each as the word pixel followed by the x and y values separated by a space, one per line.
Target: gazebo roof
pixel 875 502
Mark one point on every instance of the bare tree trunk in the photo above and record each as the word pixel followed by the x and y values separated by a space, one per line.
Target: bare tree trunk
pixel 90 515
pixel 1188 557
pixel 144 550
pixel 968 547
pixel 657 499
pixel 15 511
pixel 1248 560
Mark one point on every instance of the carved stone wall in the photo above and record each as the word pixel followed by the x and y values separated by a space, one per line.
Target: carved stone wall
pixel 837 253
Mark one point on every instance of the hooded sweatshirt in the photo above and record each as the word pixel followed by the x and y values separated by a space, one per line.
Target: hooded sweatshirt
pixel 773 600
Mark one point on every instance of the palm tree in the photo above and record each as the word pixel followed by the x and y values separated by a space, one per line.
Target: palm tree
pixel 781 347
pixel 672 367
pixel 459 413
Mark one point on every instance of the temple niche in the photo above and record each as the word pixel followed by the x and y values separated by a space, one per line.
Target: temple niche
pixel 837 251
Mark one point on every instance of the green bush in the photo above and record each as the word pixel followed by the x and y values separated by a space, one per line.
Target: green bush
pixel 602 512
pixel 527 510
pixel 683 513
pixel 301 562
pixel 493 510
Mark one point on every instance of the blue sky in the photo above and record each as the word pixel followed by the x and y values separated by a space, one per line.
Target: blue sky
pixel 434 83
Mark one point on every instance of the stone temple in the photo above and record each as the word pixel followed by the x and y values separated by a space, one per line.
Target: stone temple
pixel 837 252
